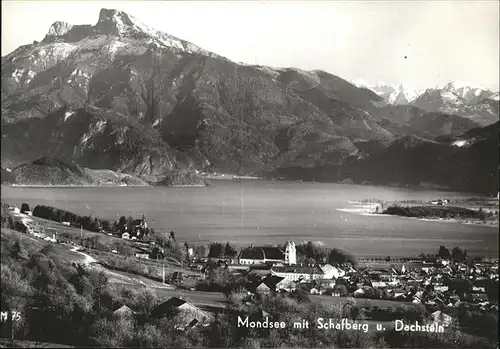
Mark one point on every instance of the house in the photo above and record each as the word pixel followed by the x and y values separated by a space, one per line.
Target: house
pixel 326 283
pixel 359 292
pixel 261 255
pixel 440 318
pixel 479 297
pixel 51 238
pixel 478 289
pixel 296 273
pixel 278 283
pixel 262 288
pixel 397 293
pixel 315 290
pixel 440 288
pixel 186 314
pixel 379 284
pixel 123 312
pixel 331 272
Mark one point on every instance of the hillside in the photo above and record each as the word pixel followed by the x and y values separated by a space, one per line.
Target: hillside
pixel 417 161
pixel 54 171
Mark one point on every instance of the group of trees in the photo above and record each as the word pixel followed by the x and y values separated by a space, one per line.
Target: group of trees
pixel 90 223
pixel 317 253
pixel 456 255
pixel 220 250
pixel 441 212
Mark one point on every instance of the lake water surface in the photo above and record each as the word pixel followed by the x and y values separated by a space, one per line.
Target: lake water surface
pixel 266 212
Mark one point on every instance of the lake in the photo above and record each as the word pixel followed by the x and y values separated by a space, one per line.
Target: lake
pixel 266 212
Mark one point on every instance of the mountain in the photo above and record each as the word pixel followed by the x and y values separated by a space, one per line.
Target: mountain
pixel 471 103
pixel 439 124
pixel 478 104
pixel 55 171
pixel 417 161
pixel 391 94
pixel 471 95
pixel 121 96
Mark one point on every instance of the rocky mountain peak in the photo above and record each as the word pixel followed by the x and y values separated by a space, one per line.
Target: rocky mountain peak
pixel 112 14
pixel 114 22
pixel 59 28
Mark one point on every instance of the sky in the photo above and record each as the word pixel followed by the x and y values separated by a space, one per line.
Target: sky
pixel 422 44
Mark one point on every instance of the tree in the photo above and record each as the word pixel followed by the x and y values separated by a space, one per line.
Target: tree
pixel 457 255
pixel 122 222
pixel 106 225
pixel 230 251
pixel 16 249
pixel 24 208
pixel 216 250
pixel 156 253
pixel 342 289
pixel 172 235
pixel 443 252
pixel 336 257
pixel 130 224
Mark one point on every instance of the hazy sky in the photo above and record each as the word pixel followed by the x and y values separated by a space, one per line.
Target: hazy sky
pixel 442 41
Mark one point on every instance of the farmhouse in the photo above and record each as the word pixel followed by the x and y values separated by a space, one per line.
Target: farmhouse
pixel 124 312
pixel 186 313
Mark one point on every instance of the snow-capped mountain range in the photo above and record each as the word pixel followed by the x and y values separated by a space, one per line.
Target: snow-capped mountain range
pixel 404 94
pixel 391 94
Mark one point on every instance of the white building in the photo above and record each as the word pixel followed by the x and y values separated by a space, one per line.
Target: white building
pixel 298 273
pixel 290 253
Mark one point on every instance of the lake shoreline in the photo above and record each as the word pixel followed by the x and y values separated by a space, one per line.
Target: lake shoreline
pixel 247 212
pixel 371 210
pixel 103 186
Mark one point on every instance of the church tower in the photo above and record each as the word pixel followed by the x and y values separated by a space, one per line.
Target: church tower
pixel 290 253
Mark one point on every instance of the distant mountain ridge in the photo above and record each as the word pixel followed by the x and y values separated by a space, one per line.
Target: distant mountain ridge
pixel 478 104
pixel 414 161
pixel 119 95
pixel 58 172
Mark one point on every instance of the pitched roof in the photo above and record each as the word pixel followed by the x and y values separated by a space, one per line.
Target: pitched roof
pixel 272 281
pixel 123 310
pixel 174 305
pixel 262 253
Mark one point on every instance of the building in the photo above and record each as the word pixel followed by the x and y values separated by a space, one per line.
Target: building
pixel 298 273
pixel 290 253
pixel 277 283
pixel 440 318
pixel 187 314
pixel 332 272
pixel 124 312
pixel 261 255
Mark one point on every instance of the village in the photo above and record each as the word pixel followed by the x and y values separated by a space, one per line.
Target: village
pixel 441 285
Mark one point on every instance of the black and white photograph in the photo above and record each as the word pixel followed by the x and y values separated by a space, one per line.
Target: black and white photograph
pixel 250 174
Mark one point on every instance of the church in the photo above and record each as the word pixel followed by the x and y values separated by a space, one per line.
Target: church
pixel 266 254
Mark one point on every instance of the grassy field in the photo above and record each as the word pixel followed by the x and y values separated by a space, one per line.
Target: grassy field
pixel 31 344
pixel 33 245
